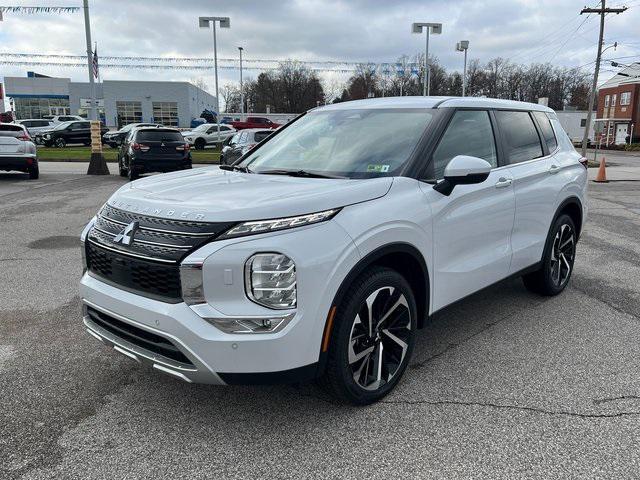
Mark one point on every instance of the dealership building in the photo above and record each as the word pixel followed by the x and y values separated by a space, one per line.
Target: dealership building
pixel 119 101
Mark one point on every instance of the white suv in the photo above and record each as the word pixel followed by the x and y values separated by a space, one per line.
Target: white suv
pixel 321 251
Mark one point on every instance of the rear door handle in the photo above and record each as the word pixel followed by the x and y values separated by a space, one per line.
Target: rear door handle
pixel 554 169
pixel 503 182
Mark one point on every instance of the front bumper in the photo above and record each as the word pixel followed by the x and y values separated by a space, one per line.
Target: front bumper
pixel 214 356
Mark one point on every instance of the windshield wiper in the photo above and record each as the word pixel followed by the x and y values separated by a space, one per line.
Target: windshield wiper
pixel 235 168
pixel 298 173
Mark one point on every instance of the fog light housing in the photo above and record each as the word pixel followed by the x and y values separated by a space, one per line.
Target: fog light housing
pixel 251 324
pixel 270 280
pixel 192 283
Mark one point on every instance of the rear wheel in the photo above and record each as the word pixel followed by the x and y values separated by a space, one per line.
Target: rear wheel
pixel 121 168
pixel 131 173
pixel 60 143
pixel 34 172
pixel 372 338
pixel 557 261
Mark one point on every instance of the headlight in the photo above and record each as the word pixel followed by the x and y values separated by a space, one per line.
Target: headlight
pixel 192 285
pixel 270 280
pixel 47 136
pixel 262 226
pixel 83 239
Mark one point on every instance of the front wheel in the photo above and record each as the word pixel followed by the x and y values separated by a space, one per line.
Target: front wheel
pixel 60 143
pixel 200 144
pixel 557 261
pixel 372 337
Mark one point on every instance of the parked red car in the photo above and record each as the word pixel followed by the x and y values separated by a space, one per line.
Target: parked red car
pixel 255 122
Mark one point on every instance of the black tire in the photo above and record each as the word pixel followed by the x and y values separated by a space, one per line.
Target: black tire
pixel 60 142
pixel 557 261
pixel 34 172
pixel 200 144
pixel 131 173
pixel 121 169
pixel 346 378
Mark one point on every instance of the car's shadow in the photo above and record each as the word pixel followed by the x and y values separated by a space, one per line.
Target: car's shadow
pixel 445 330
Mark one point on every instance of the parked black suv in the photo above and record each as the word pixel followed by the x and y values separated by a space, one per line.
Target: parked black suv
pixel 153 149
pixel 67 132
pixel 114 139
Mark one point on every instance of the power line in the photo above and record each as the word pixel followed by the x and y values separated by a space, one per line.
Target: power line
pixel 602 11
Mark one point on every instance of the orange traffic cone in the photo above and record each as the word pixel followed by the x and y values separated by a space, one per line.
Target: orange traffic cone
pixel 601 177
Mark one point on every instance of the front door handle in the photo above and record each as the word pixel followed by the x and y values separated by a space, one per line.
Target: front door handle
pixel 503 182
pixel 554 169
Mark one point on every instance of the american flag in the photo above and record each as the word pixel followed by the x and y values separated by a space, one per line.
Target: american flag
pixel 95 62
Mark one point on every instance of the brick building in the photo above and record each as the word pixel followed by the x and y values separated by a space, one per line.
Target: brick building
pixel 618 114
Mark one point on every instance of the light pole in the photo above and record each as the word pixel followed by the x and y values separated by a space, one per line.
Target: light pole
pixel 463 46
pixel 436 29
pixel 93 114
pixel 240 49
pixel 225 22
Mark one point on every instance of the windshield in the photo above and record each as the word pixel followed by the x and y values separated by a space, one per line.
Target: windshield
pixel 202 127
pixel 348 143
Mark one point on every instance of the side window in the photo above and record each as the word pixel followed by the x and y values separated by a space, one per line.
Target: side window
pixel 520 137
pixel 244 137
pixel 468 133
pixel 547 130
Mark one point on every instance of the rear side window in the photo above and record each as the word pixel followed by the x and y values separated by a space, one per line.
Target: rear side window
pixel 468 133
pixel 547 130
pixel 159 136
pixel 520 137
pixel 259 136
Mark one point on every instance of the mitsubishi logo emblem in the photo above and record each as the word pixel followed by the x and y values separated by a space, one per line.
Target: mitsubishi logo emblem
pixel 125 237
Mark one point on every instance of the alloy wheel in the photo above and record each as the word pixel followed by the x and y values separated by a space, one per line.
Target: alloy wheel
pixel 379 338
pixel 562 255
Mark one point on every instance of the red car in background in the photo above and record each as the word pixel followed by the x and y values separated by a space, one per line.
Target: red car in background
pixel 255 122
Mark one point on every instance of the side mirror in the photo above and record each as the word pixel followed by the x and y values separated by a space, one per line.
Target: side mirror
pixel 463 170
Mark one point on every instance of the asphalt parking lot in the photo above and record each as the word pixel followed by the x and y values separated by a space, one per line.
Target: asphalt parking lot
pixel 503 384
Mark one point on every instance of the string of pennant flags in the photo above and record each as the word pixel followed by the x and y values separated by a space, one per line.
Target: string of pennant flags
pixel 176 63
pixel 36 10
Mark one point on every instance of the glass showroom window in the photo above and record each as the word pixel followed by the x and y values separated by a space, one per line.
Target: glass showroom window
pixel 37 107
pixel 128 112
pixel 166 113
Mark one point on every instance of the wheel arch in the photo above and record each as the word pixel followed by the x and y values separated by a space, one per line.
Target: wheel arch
pixel 572 206
pixel 402 257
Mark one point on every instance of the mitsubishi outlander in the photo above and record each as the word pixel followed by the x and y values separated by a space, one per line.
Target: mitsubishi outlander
pixel 320 252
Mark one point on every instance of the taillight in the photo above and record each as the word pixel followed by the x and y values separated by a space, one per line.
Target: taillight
pixel 584 162
pixel 140 146
pixel 24 137
pixel 183 148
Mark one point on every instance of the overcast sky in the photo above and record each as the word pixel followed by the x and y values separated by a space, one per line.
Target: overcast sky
pixel 523 31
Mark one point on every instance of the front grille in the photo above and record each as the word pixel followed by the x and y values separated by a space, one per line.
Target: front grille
pixel 149 265
pixel 137 336
pixel 148 278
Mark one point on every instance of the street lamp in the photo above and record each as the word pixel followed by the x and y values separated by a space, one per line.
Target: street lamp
pixel 463 46
pixel 225 22
pixel 241 90
pixel 436 29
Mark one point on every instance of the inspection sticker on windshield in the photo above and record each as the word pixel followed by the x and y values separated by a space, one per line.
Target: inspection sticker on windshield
pixel 378 168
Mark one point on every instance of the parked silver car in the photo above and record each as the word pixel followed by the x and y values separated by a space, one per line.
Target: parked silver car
pixel 17 150
pixel 35 125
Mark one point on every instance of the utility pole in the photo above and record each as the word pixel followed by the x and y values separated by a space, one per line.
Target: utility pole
pixel 602 11
pixel 241 89
pixel 93 114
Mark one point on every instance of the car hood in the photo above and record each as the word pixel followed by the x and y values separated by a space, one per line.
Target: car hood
pixel 211 194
